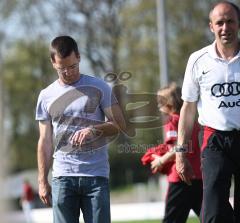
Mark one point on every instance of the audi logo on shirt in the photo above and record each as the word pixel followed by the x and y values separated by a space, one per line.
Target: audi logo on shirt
pixel 225 90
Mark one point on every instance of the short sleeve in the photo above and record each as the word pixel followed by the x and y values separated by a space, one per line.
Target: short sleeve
pixel 108 98
pixel 41 109
pixel 170 130
pixel 190 88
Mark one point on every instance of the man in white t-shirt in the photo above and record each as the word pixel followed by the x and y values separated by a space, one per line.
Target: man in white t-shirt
pixel 212 87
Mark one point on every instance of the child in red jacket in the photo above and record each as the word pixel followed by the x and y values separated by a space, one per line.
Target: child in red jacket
pixel 181 198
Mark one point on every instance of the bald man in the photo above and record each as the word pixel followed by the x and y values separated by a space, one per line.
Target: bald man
pixel 211 88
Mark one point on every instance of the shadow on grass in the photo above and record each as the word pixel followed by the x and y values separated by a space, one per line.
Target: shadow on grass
pixel 190 220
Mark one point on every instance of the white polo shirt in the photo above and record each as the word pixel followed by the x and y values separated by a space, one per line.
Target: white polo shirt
pixel 215 84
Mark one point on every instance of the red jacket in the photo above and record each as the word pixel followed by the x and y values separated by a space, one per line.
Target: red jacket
pixel 159 150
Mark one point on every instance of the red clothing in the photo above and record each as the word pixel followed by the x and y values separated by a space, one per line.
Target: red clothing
pixel 28 194
pixel 159 150
pixel 170 136
pixel 170 130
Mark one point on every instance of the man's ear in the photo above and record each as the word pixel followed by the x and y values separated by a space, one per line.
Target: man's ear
pixel 79 57
pixel 210 27
pixel 53 62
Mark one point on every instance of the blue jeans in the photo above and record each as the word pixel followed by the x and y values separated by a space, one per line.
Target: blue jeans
pixel 90 194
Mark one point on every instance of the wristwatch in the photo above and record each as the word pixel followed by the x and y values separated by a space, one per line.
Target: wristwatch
pixel 180 149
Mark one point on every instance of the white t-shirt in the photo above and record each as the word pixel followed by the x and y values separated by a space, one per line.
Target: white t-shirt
pixel 215 84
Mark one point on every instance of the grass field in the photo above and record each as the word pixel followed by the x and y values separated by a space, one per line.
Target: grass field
pixel 190 220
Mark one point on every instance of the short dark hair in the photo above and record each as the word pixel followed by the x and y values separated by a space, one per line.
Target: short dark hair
pixel 63 46
pixel 236 8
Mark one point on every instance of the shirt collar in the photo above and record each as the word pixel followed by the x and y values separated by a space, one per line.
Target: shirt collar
pixel 213 53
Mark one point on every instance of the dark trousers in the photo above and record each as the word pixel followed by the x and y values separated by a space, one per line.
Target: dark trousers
pixel 220 160
pixel 236 203
pixel 181 198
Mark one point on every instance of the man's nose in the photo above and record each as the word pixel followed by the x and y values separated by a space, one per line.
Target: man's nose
pixel 225 26
pixel 67 71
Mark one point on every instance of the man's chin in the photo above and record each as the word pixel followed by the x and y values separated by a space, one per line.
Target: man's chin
pixel 70 81
pixel 227 41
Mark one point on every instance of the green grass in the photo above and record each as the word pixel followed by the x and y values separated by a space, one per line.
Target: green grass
pixel 190 220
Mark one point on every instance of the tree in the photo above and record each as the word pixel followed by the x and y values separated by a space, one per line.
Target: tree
pixel 94 24
pixel 187 31
pixel 115 36
pixel 26 70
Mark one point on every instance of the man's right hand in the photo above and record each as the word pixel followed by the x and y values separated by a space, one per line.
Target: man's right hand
pixel 184 168
pixel 45 193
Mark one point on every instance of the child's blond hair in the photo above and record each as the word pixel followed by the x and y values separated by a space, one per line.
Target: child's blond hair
pixel 170 96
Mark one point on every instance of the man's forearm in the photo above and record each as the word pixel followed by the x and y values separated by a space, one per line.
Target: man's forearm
pixel 106 129
pixel 115 123
pixel 185 127
pixel 186 123
pixel 44 157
